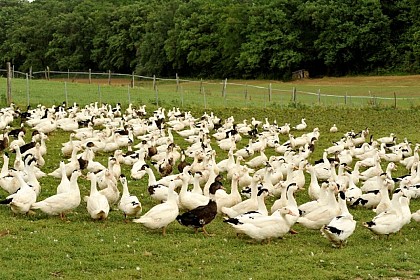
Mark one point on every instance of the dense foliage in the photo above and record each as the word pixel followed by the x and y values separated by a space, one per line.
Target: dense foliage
pixel 219 38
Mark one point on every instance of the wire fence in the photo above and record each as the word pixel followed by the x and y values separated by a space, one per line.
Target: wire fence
pixel 53 87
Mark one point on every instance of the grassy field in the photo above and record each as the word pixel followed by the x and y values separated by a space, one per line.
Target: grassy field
pixel 42 247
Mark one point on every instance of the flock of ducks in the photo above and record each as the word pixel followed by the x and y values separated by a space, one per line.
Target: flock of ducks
pixel 265 167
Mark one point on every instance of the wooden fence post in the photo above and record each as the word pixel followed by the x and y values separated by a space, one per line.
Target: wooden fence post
pixel 65 93
pixel 269 92
pixel 182 96
pixel 30 72
pixel 246 91
pixel 294 95
pixel 224 92
pixel 395 100
pixel 345 98
pixel 201 85
pixel 132 80
pixel 90 76
pixel 154 82
pixel 224 88
pixel 9 84
pixel 157 95
pixel 27 89
pixel 109 77
pixel 319 96
pixel 205 100
pixel 68 74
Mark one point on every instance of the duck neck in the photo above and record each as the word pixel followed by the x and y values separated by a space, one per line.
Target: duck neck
pixel 152 177
pixel 93 188
pixel 184 186
pixel 196 185
pixel 291 201
pixel 254 190
pixel 234 185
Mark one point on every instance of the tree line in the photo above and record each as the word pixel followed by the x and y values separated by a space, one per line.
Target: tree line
pixel 218 38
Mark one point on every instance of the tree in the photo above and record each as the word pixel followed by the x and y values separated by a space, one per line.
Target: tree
pixel 272 47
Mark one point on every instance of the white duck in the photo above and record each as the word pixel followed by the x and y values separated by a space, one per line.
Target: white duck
pixel 387 222
pixel 189 200
pixel 312 205
pixel 314 188
pixel 387 139
pixel 324 214
pixel 352 192
pixel 371 172
pixel 64 185
pixel 371 184
pixel 258 161
pixel 128 204
pixel 246 205
pixel 72 165
pixel 20 202
pixel 265 227
pixel 372 198
pixel 416 216
pixel 302 125
pixel 97 203
pixel 111 192
pixel 60 203
pixel 228 163
pixel 161 215
pixel 333 129
pixel 224 199
pixel 341 227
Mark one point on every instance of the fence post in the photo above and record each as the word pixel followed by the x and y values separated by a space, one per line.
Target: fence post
pixel 157 95
pixel 48 73
pixel 224 88
pixel 345 98
pixel 27 88
pixel 30 72
pixel 132 81
pixel 294 95
pixel 246 91
pixel 269 92
pixel 319 96
pixel 224 91
pixel 90 76
pixel 154 82
pixel 246 95
pixel 68 74
pixel 205 101
pixel 9 84
pixel 201 85
pixel 182 97
pixel 13 71
pixel 109 77
pixel 65 93
pixel 395 100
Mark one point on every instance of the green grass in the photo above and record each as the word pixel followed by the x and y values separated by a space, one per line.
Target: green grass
pixel 42 247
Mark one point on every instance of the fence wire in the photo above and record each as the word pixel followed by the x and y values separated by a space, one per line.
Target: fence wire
pixel 87 87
